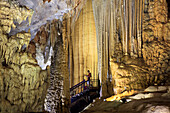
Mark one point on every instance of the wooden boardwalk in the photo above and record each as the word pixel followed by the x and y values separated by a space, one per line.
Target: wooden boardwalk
pixel 83 94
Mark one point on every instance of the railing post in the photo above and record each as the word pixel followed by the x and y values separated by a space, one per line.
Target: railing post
pixel 84 84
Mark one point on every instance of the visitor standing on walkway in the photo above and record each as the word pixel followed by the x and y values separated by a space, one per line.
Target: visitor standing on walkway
pixel 88 77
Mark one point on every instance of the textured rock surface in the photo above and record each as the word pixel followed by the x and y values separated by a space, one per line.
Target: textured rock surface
pixel 144 102
pixel 12 16
pixel 153 66
pixel 82 45
pixel 44 11
pixel 117 35
pixel 130 73
pixel 123 27
pixel 23 83
pixel 156 37
pixel 58 96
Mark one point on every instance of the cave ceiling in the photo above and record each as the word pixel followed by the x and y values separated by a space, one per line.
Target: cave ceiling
pixel 44 11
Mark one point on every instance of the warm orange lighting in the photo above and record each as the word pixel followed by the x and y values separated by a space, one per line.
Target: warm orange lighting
pixel 119 96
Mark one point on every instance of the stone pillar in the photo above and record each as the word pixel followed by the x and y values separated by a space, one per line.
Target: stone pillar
pixel 58 95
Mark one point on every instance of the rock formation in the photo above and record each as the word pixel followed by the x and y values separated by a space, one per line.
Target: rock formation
pixel 58 93
pixel 23 83
pixel 132 30
pixel 47 46
pixel 82 45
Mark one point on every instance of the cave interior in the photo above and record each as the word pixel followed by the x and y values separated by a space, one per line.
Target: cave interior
pixel 93 56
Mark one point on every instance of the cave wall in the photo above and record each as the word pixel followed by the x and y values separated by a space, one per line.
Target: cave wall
pixel 156 38
pixel 25 72
pixel 133 43
pixel 153 66
pixel 23 83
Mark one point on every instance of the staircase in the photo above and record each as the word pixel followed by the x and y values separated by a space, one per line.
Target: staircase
pixel 83 94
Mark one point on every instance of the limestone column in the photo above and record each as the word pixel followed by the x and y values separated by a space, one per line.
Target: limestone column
pixel 58 93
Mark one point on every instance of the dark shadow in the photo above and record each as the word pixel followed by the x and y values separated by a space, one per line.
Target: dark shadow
pixel 168 3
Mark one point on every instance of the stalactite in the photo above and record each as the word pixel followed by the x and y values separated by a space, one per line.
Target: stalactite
pixel 122 24
pixel 133 52
pixel 96 6
pixel 135 30
pixel 70 47
pixel 76 53
pixel 130 27
pixel 84 44
pixel 124 34
pixel 85 39
pixel 138 26
pixel 111 39
pixel 132 38
pixel 126 27
pixel 102 21
pixel 81 62
pixel 114 24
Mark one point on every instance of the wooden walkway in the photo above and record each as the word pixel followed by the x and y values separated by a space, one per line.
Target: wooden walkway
pixel 83 94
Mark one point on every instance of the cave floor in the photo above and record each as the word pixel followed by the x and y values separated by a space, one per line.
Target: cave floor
pixel 137 106
pixel 157 103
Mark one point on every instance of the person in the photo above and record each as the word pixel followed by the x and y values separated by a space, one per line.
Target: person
pixel 88 77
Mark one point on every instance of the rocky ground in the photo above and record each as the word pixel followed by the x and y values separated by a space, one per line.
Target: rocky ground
pixel 154 99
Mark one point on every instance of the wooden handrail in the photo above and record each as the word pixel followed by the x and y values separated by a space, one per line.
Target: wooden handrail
pixel 77 85
pixel 82 83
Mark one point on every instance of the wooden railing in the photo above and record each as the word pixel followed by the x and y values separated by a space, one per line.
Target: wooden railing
pixel 84 86
pixel 78 88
